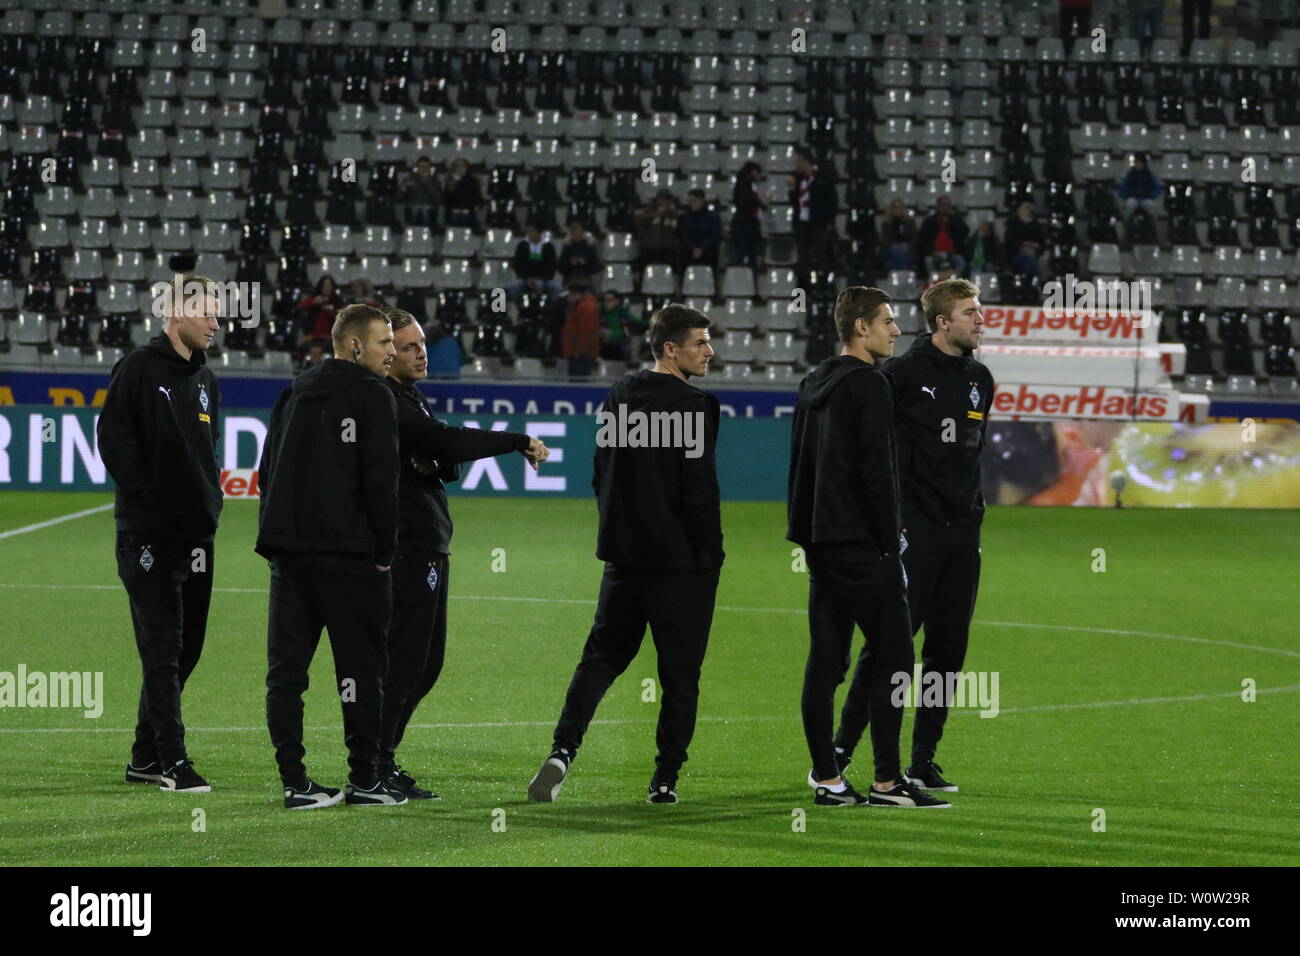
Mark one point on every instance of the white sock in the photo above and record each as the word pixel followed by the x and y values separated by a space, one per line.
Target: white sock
pixel 838 788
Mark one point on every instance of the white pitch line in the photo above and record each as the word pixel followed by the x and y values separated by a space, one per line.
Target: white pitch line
pixel 53 521
pixel 1038 708
pixel 743 608
pixel 1091 705
pixel 1122 632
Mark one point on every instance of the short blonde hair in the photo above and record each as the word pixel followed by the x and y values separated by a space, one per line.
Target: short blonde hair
pixel 942 296
pixel 186 287
pixel 355 320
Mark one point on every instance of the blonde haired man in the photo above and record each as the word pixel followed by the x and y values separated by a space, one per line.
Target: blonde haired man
pixel 158 437
pixel 328 527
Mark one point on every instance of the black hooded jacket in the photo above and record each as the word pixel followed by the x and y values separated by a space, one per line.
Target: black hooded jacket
pixel 329 470
pixel 843 484
pixel 936 393
pixel 158 435
pixel 659 509
pixel 425 519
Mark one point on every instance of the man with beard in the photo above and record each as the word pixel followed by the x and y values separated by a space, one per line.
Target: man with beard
pixel 328 526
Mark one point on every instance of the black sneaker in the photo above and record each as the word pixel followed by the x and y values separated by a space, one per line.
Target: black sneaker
pixel 398 779
pixel 376 795
pixel 149 773
pixel 928 776
pixel 903 794
pixel 662 793
pixel 848 797
pixel 182 778
pixel 312 797
pixel 546 784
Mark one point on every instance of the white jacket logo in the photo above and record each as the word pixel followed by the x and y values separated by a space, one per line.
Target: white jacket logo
pixel 166 391
pixel 929 390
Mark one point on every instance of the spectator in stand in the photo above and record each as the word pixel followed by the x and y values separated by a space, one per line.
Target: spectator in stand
pixel 983 250
pixel 656 230
pixel 463 196
pixel 1075 17
pixel 1196 22
pixel 579 263
pixel 422 194
pixel 815 203
pixel 1025 240
pixel 534 264
pixel 943 233
pixel 361 290
pixel 580 337
pixel 1146 20
pixel 1140 189
pixel 315 352
pixel 318 309
pixel 620 330
pixel 747 220
pixel 445 358
pixel 1272 17
pixel 898 236
pixel 699 233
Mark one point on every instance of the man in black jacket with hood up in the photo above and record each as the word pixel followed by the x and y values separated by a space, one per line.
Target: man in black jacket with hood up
pixel 844 512
pixel 432 452
pixel 328 525
pixel 660 537
pixel 942 396
pixel 158 437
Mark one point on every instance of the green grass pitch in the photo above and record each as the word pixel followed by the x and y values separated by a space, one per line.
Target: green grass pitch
pixel 1120 691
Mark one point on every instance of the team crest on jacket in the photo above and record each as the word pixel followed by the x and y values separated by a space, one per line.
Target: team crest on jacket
pixel 203 397
pixel 974 396
pixel 433 579
pixel 146 559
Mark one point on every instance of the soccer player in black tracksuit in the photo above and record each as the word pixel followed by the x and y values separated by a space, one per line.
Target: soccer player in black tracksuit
pixel 844 512
pixel 158 437
pixel 661 540
pixel 328 526
pixel 942 397
pixel 431 453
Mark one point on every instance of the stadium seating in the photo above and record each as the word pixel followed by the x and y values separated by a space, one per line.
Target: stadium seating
pixel 279 150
